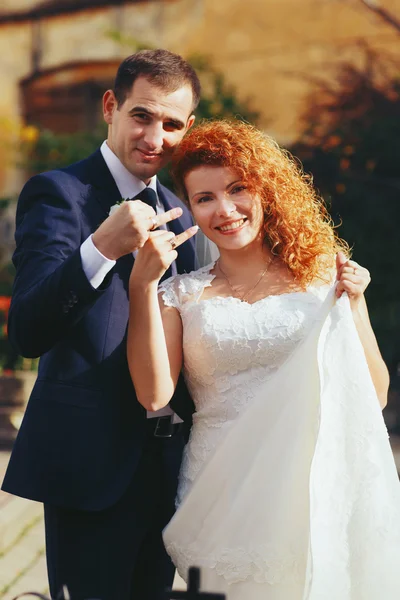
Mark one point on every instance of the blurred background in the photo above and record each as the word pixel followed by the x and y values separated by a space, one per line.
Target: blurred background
pixel 321 76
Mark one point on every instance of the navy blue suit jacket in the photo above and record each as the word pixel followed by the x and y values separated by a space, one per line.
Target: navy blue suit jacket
pixel 83 430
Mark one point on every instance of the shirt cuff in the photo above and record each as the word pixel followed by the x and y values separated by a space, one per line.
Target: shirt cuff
pixel 94 264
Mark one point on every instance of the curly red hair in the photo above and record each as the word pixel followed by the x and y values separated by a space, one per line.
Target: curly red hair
pixel 297 225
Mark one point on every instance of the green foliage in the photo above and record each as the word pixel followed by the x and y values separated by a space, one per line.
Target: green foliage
pixel 7 274
pixel 351 145
pixel 53 150
pixel 5 202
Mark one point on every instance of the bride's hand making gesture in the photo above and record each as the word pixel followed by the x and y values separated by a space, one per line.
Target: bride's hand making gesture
pixel 158 253
pixel 156 371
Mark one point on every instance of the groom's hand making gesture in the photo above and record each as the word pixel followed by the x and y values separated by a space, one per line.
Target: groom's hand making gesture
pixel 129 227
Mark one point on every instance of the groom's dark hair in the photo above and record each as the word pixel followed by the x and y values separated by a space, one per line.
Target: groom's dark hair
pixel 164 69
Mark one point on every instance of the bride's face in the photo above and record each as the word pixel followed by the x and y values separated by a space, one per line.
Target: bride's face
pixel 223 208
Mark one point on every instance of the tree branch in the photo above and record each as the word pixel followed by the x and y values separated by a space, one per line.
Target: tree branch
pixel 384 14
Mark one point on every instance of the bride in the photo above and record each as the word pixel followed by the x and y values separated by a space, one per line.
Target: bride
pixel 288 488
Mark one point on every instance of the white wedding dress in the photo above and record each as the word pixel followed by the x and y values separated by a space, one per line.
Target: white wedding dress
pixel 288 488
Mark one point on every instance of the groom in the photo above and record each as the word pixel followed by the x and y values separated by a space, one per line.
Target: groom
pixel 105 470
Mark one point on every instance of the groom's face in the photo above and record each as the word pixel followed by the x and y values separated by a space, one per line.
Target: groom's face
pixel 146 128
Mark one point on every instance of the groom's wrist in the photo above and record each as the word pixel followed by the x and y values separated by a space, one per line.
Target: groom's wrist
pixel 104 247
pixel 95 265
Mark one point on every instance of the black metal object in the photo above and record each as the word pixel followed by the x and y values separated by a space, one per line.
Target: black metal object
pixel 193 592
pixel 34 594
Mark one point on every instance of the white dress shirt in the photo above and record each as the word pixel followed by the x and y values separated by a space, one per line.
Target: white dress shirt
pixel 95 265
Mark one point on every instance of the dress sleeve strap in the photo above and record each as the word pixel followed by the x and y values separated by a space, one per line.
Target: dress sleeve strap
pixel 169 291
pixel 180 290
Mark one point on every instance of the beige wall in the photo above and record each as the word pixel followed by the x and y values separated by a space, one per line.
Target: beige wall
pixel 264 47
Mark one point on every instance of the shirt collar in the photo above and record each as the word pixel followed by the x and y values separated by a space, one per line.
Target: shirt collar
pixel 128 185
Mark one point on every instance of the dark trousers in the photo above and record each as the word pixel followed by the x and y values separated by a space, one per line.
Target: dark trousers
pixel 118 553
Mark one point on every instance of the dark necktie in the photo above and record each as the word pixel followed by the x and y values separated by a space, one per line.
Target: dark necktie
pixel 148 196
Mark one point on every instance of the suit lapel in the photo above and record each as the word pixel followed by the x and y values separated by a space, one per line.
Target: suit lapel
pixel 104 187
pixel 106 193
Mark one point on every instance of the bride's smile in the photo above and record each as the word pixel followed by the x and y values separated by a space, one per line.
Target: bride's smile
pixel 232 226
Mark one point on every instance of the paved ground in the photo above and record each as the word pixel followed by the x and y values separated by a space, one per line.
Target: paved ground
pixel 22 566
pixel 22 561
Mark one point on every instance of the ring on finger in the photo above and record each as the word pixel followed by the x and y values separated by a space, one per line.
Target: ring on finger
pixel 173 243
pixel 354 270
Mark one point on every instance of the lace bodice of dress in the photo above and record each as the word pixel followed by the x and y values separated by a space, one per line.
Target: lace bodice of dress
pixel 230 348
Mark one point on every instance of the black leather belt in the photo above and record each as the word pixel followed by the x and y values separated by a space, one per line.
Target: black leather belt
pixel 163 427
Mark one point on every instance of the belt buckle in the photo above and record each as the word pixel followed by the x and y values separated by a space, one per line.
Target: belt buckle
pixel 158 426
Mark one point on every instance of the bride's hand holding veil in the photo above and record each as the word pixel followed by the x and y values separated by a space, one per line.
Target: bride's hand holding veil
pixel 354 279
